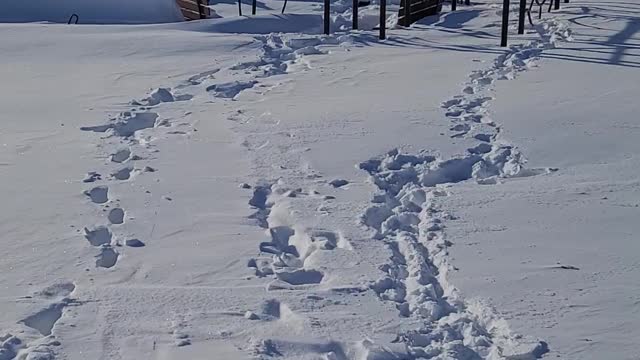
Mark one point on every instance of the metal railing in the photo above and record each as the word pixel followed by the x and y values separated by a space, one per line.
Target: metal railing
pixel 73 19
pixel 412 10
pixel 523 13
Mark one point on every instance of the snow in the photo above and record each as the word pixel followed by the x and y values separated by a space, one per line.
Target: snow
pixel 244 187
pixel 92 11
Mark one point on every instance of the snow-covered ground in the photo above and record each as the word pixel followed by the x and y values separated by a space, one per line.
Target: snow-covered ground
pixel 91 11
pixel 242 188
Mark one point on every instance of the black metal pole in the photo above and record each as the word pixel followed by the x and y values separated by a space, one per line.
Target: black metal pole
pixel 327 15
pixel 407 13
pixel 240 7
pixel 355 14
pixel 284 6
pixel 253 7
pixel 566 1
pixel 557 5
pixel 505 23
pixel 521 17
pixel 383 19
pixel 73 16
pixel 467 2
pixel 454 5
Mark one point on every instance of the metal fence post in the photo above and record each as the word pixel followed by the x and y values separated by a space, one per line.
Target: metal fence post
pixel 239 7
pixel 521 17
pixel 505 23
pixel 355 14
pixel 557 5
pixel 407 13
pixel 327 16
pixel 454 5
pixel 383 19
pixel 254 5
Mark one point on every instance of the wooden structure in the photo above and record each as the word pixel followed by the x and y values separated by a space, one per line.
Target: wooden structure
pixel 194 9
pixel 417 10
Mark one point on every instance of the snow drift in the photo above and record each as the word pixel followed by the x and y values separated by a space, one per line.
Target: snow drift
pixel 92 11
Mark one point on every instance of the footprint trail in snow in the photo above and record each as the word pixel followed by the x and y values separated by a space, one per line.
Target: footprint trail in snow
pixel 406 216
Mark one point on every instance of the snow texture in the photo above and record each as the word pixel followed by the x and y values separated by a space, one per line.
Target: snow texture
pixel 248 188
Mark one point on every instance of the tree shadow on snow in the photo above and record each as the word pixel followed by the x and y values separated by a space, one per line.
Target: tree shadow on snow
pixel 592 23
pixel 261 25
pixel 457 19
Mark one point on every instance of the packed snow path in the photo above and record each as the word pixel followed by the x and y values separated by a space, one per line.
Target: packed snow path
pixel 168 260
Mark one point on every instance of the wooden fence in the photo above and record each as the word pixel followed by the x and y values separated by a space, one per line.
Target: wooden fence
pixel 417 10
pixel 194 9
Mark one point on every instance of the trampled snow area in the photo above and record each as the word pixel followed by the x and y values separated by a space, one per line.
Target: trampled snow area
pixel 243 187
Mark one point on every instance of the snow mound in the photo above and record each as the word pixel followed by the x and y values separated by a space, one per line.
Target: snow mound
pixel 92 11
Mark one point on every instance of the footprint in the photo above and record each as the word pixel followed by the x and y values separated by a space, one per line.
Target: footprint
pixel 273 309
pixel 91 177
pixel 450 171
pixel 199 78
pixel 182 340
pixel 482 148
pixel 261 267
pixel 162 95
pixel 98 195
pixel 134 243
pixel 454 113
pixel 484 81
pixel 328 240
pixel 10 345
pixel 450 103
pixel 259 202
pixel 116 216
pixel 231 89
pixel 266 348
pixel 44 320
pixel 300 276
pixel 460 127
pixel 107 257
pixel 127 123
pixel 123 174
pixel 179 333
pixel 280 236
pixel 121 156
pixel 99 236
pixel 476 118
pixel 338 183
pixel 483 137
